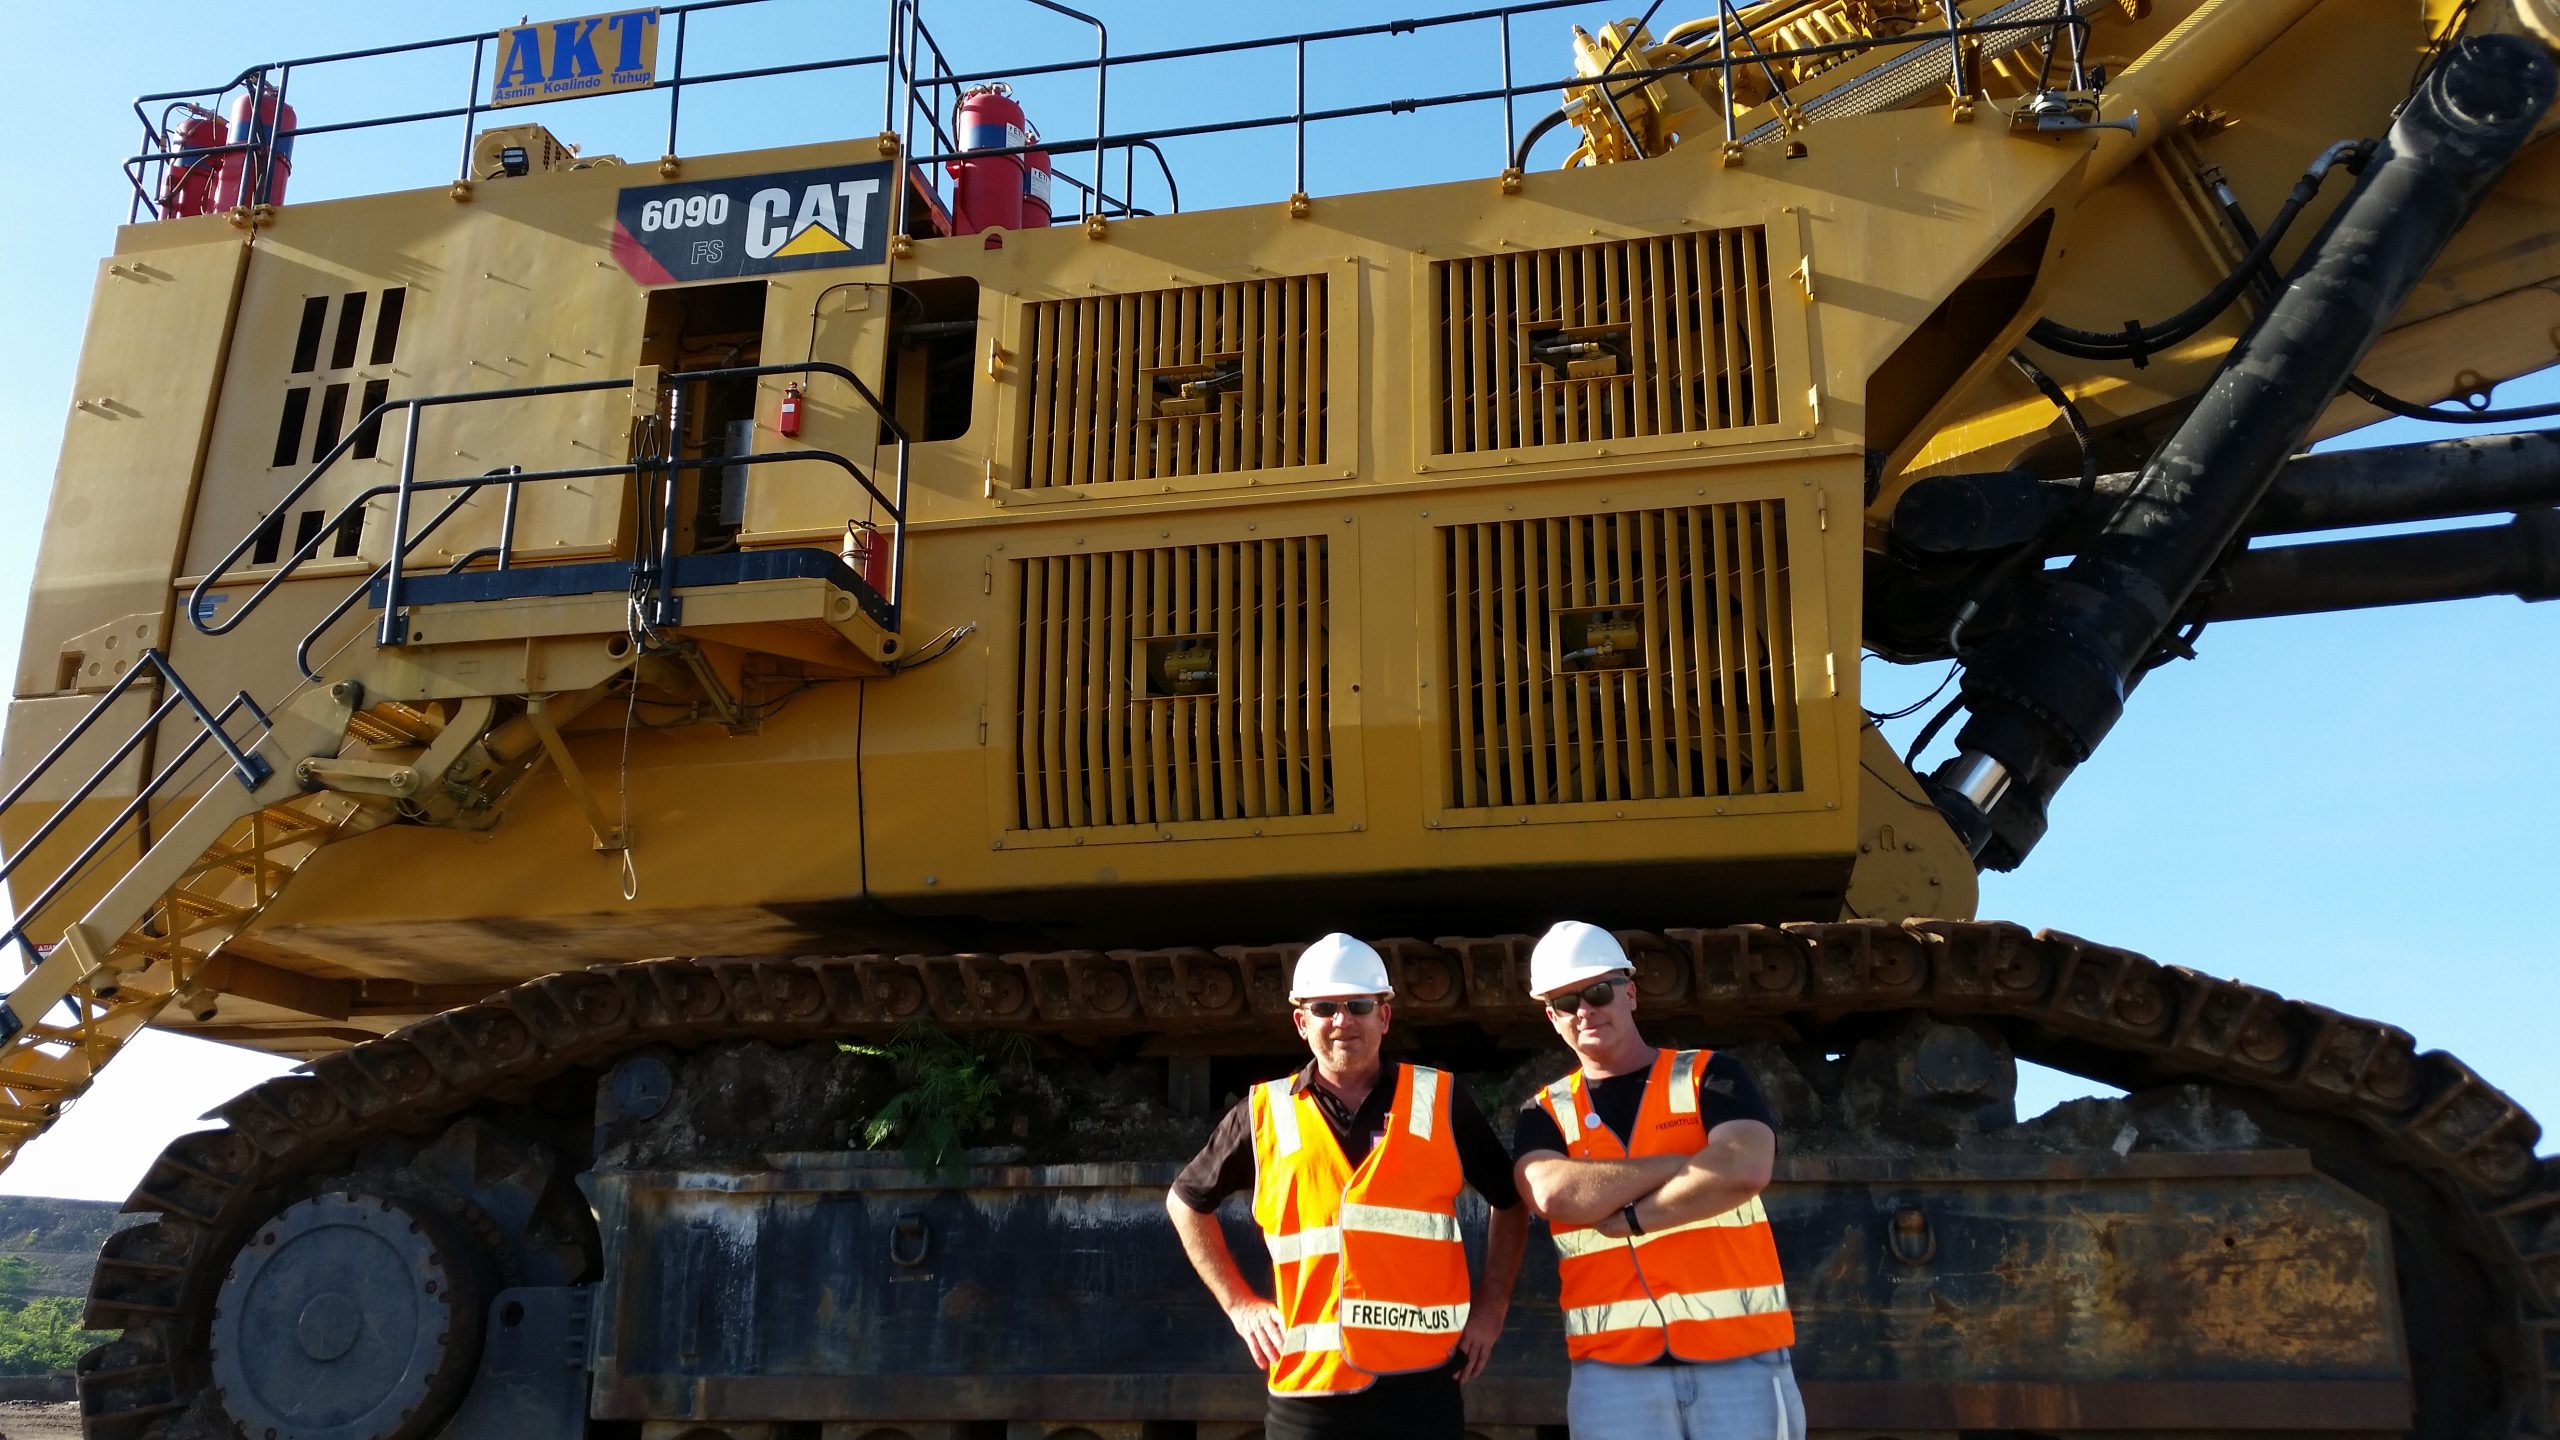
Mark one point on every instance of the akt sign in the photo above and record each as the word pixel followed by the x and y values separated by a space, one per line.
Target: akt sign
pixel 591 55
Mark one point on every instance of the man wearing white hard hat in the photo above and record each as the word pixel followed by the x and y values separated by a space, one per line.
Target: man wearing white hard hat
pixel 1354 1166
pixel 1648 1165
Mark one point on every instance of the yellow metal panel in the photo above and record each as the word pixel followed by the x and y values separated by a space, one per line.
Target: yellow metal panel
pixel 142 402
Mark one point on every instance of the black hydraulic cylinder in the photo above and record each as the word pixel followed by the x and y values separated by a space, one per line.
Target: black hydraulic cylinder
pixel 2520 558
pixel 2045 691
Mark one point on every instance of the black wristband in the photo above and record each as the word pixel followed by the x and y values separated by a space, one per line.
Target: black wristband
pixel 1634 1226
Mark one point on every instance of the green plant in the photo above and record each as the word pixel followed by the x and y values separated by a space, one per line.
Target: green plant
pixel 951 1090
pixel 18 1275
pixel 43 1336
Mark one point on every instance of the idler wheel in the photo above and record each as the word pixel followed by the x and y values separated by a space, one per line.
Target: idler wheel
pixel 349 1317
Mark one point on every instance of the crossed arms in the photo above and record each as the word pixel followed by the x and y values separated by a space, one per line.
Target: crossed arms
pixel 1666 1190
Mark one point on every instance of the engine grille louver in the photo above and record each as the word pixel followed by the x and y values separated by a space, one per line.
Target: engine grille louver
pixel 1185 683
pixel 1674 331
pixel 1208 380
pixel 1640 656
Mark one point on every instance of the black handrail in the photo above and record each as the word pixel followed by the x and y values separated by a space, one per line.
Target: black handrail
pixel 247 766
pixel 142 796
pixel 512 479
pixel 253 769
pixel 157 148
pixel 198 610
pixel 923 85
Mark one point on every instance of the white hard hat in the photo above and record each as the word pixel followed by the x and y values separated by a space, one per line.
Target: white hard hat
pixel 1338 965
pixel 1573 954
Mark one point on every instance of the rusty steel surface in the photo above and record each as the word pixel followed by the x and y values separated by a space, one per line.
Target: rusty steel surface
pixel 2148 1289
pixel 2436 1133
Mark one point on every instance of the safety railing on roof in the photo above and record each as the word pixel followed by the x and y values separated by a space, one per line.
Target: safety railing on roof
pixel 653 550
pixel 268 86
pixel 246 765
pixel 919 78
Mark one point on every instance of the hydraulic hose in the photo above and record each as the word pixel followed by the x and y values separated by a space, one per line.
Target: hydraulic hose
pixel 1537 132
pixel 2137 342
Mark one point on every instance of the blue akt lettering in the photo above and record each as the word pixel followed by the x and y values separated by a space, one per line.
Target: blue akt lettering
pixel 519 57
pixel 629 28
pixel 573 49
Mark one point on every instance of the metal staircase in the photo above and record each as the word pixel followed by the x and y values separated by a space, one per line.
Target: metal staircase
pixel 139 946
pixel 379 732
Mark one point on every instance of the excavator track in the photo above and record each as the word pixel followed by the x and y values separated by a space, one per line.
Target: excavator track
pixel 2424 1122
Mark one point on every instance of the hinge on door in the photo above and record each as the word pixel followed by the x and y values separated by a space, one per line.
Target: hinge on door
pixel 982 724
pixel 1831 670
pixel 987 577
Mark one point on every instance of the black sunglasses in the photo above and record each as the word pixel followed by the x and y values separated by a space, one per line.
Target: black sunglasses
pixel 1327 1009
pixel 1598 992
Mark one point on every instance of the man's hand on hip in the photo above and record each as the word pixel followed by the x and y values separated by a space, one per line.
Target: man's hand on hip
pixel 1258 1321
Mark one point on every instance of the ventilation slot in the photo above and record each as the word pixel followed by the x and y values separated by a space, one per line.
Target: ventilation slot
pixel 1643 656
pixel 350 321
pixel 1177 684
pixel 369 439
pixel 1208 381
pixel 386 325
pixel 333 420
pixel 1666 336
pixel 306 344
pixel 297 406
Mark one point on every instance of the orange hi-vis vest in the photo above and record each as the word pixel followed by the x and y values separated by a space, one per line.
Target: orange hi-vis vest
pixel 1368 1266
pixel 1707 1290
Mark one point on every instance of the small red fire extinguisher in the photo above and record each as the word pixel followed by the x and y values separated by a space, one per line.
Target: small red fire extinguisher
pixel 866 552
pixel 788 422
pixel 186 186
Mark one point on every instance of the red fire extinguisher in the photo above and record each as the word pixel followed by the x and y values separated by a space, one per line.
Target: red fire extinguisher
pixel 987 194
pixel 1035 188
pixel 186 185
pixel 788 421
pixel 262 122
pixel 866 549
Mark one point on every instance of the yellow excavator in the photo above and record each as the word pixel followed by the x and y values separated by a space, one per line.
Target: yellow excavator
pixel 659 679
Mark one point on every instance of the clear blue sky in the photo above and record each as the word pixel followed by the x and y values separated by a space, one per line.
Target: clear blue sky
pixel 2345 809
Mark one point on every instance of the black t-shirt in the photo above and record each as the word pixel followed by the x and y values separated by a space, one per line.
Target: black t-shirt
pixel 1725 1092
pixel 1224 1166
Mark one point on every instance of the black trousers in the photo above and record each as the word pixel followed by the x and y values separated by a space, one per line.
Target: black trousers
pixel 1421 1406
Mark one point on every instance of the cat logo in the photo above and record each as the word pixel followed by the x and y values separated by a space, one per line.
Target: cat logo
pixel 753 224
pixel 816 225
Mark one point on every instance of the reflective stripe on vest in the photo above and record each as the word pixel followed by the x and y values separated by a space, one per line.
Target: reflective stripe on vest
pixel 1299 1339
pixel 1564 1102
pixel 1705 1290
pixel 1387 1220
pixel 1583 1242
pixel 1684 1083
pixel 1368 1266
pixel 1665 1309
pixel 1284 1116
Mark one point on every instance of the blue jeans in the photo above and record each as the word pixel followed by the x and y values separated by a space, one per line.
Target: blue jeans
pixel 1750 1398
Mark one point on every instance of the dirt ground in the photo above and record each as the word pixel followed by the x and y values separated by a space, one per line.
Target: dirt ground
pixel 26 1420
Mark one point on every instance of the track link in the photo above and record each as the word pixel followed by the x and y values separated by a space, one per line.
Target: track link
pixel 2105 1012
